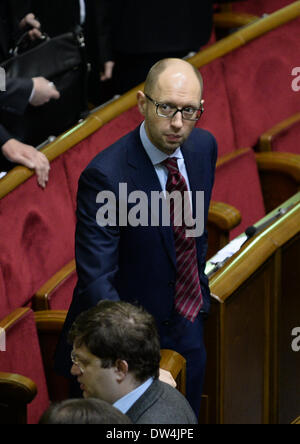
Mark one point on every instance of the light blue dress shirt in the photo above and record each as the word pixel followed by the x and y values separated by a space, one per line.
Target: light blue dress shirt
pixel 125 403
pixel 156 156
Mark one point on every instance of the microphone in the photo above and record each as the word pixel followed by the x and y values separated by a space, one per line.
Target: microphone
pixel 252 230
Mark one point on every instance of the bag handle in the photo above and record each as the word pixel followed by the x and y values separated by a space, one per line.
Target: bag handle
pixel 22 41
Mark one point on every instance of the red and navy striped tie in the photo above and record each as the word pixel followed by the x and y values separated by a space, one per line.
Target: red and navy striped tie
pixel 188 296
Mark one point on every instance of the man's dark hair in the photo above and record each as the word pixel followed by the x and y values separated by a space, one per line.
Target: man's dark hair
pixel 83 411
pixel 119 330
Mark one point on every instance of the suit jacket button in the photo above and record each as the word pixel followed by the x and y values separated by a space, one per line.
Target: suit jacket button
pixel 171 284
pixel 166 323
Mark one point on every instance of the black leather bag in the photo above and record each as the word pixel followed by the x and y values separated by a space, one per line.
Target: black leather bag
pixel 61 60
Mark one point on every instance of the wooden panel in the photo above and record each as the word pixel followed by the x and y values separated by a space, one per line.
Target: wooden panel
pixel 289 318
pixel 246 346
pixel 252 372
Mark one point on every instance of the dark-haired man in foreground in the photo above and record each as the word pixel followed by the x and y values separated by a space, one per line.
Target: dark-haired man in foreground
pixel 116 355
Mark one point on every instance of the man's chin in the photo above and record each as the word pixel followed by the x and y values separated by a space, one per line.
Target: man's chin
pixel 170 147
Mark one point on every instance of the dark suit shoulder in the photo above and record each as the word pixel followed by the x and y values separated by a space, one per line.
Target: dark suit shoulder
pixel 162 404
pixel 116 154
pixel 204 136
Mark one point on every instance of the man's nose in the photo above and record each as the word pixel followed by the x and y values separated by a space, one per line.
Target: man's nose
pixel 75 370
pixel 177 121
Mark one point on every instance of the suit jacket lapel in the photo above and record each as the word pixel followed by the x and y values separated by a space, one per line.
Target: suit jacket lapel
pixel 151 395
pixel 194 166
pixel 145 179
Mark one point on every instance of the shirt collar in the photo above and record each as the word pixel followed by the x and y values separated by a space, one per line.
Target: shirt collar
pixel 156 156
pixel 126 402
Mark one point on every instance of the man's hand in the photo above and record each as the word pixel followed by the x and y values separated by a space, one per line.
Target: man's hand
pixel 166 377
pixel 30 21
pixel 44 91
pixel 28 156
pixel 108 70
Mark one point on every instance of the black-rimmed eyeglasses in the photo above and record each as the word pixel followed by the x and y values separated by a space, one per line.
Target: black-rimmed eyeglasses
pixel 169 111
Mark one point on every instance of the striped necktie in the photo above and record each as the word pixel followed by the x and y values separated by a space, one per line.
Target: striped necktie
pixel 188 296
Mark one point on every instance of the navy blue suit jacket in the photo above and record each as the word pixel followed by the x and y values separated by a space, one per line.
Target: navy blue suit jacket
pixel 135 264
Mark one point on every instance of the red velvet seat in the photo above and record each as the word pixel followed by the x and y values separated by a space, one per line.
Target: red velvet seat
pixel 237 183
pixel 217 116
pixel 258 79
pixel 4 302
pixel 23 356
pixel 61 298
pixel 57 293
pixel 37 237
pixel 287 139
pixel 260 7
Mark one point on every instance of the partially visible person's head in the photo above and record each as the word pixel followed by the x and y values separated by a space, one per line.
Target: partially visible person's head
pixel 115 349
pixel 178 84
pixel 83 411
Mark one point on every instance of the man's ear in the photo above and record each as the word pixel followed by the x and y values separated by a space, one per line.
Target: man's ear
pixel 141 101
pixel 121 369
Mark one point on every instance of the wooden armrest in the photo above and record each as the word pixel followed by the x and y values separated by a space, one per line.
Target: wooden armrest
pixel 286 163
pixel 16 392
pixel 49 326
pixel 223 215
pixel 176 365
pixel 16 388
pixel 41 298
pixel 232 20
pixel 50 321
pixel 279 176
pixel 265 140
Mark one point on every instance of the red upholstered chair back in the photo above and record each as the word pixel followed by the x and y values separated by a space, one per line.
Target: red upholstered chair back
pixel 4 302
pixel 61 298
pixel 260 7
pixel 77 158
pixel 258 78
pixel 37 237
pixel 217 116
pixel 23 357
pixel 57 293
pixel 237 183
pixel 289 139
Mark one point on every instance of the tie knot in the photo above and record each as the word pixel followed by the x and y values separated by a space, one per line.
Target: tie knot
pixel 171 164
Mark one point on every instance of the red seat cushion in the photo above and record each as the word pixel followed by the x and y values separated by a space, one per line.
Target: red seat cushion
pixel 288 140
pixel 4 302
pixel 237 183
pixel 61 298
pixel 37 236
pixel 260 7
pixel 258 78
pixel 217 116
pixel 23 357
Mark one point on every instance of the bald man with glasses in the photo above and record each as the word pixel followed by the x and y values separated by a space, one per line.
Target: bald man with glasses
pixel 158 266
